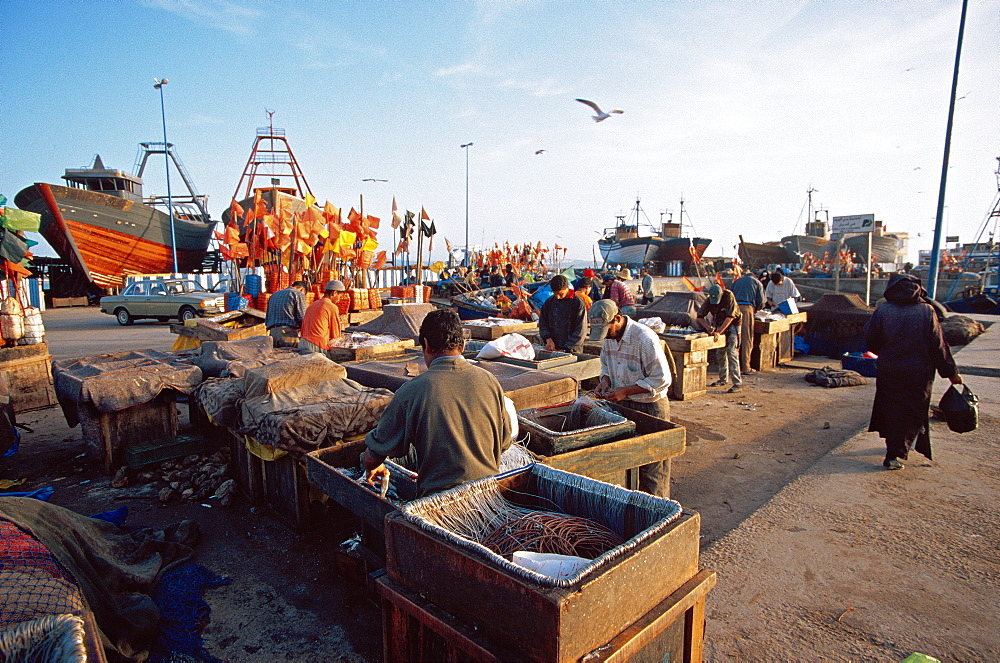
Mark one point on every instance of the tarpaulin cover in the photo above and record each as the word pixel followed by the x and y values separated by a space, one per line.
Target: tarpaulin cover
pixel 238 367
pixel 219 398
pixel 291 372
pixel 401 320
pixel 677 308
pixel 117 381
pixel 216 355
pixel 313 416
pixel 114 569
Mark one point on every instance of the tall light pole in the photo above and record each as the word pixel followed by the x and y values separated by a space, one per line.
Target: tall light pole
pixel 468 263
pixel 166 160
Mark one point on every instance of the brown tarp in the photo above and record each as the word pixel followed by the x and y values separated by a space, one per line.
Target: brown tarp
pixel 676 308
pixel 216 356
pixel 113 382
pixel 114 569
pixel 401 320
pixel 219 398
pixel 313 416
pixel 292 372
pixel 238 368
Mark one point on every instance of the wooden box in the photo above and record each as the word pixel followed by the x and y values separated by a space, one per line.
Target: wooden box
pixel 369 506
pixel 285 489
pixel 549 431
pixel 693 342
pixel 544 360
pixel 416 630
pixel 371 352
pixel 229 326
pixel 491 333
pixel 246 468
pixel 549 623
pixel 618 462
pixel 29 369
pixel 107 436
pixel 525 386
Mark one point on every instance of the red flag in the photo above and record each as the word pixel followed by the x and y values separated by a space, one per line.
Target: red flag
pixel 423 214
pixel 718 279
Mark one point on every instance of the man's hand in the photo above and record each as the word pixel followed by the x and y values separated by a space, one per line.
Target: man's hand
pixel 715 335
pixel 381 473
pixel 617 395
pixel 603 387
pixel 550 345
pixel 956 379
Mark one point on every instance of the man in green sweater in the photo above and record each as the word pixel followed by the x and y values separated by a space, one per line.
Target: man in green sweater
pixel 452 415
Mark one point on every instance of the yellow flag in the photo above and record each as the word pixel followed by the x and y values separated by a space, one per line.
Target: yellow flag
pixel 370 244
pixel 347 238
pixel 310 201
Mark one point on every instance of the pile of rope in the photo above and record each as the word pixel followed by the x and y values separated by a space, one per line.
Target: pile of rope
pixel 549 532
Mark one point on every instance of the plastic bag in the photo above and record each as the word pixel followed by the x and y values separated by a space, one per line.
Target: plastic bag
pixel 550 564
pixel 961 409
pixel 656 324
pixel 508 345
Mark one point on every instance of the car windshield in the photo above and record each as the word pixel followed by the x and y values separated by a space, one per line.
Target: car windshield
pixel 181 287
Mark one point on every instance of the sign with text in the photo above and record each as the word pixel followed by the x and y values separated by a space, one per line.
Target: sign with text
pixel 951 239
pixel 859 223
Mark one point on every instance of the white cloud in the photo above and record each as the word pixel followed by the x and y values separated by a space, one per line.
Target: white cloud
pixel 221 14
pixel 464 68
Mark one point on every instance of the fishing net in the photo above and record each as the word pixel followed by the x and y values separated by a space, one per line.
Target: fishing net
pixel 183 612
pixel 45 639
pixel 32 581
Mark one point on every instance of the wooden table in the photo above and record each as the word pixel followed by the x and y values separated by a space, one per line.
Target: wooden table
pixel 774 341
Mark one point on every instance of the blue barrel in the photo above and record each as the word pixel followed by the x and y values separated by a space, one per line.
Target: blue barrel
pixel 252 284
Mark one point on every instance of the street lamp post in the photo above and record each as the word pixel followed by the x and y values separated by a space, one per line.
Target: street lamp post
pixel 166 160
pixel 468 263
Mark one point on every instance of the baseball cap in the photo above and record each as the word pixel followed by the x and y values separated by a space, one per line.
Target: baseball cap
pixel 609 276
pixel 335 285
pixel 715 294
pixel 601 313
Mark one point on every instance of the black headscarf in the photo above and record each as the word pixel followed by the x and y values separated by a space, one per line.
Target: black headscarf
pixel 904 289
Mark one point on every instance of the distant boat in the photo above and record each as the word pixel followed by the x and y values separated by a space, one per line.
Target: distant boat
pixel 624 245
pixel 103 227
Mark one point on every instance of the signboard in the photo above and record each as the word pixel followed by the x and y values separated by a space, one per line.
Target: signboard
pixel 859 223
pixel 951 239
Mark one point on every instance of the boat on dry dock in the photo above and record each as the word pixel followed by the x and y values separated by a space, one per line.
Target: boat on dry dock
pixel 100 223
pixel 627 244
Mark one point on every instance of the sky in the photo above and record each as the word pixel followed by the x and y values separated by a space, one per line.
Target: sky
pixel 737 107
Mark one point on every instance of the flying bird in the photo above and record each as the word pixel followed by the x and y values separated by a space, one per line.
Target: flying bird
pixel 539 151
pixel 601 115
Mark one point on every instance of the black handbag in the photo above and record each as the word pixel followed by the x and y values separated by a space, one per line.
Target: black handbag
pixel 961 409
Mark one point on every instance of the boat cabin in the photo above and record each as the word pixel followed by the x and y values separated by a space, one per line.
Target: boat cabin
pixel 105 180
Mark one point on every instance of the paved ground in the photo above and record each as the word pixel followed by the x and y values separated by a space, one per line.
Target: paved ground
pixel 850 562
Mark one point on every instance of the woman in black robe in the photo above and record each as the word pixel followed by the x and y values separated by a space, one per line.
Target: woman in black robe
pixel 905 334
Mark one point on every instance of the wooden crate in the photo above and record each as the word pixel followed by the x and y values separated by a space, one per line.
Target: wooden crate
pixel 543 361
pixel 690 358
pixel 559 624
pixel 371 352
pixel 492 333
pixel 414 629
pixel 525 386
pixel 365 504
pixel 285 490
pixel 29 371
pixel 618 462
pixel 246 468
pixel 545 437
pixel 229 326
pixel 107 436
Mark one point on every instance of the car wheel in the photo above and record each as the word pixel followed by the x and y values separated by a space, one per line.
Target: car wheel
pixel 187 313
pixel 123 317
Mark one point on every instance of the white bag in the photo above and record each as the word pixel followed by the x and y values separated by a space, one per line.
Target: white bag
pixel 656 324
pixel 550 564
pixel 508 345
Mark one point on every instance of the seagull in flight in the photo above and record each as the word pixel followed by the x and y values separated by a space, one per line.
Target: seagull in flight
pixel 539 151
pixel 601 115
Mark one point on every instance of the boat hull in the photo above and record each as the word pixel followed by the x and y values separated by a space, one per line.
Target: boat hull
pixel 105 237
pixel 639 251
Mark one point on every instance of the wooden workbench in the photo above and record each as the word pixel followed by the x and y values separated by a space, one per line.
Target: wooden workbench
pixel 690 355
pixel 774 341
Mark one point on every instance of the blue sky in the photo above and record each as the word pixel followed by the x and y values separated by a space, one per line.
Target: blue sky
pixel 739 107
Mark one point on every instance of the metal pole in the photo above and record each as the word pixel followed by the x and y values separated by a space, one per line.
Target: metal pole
pixel 868 274
pixel 836 267
pixel 468 263
pixel 932 279
pixel 166 161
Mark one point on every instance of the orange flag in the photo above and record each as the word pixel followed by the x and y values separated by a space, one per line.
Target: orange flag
pixel 718 279
pixel 232 234
pixel 423 214
pixel 353 216
pixel 235 210
pixel 380 260
pixel 690 285
pixel 373 221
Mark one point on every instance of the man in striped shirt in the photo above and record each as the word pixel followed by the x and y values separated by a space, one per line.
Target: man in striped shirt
pixel 635 374
pixel 285 309
pixel 620 294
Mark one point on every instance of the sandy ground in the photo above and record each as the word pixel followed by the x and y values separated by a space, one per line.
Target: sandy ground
pixel 913 553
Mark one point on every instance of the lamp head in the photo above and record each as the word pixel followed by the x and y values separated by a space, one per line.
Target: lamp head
pixel 160 83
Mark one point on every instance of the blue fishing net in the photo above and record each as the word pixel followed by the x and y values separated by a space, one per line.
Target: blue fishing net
pixel 183 612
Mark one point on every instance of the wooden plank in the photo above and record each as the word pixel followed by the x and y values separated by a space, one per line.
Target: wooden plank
pixel 765 352
pixel 370 352
pixel 552 624
pixel 484 333
pixel 108 435
pixel 286 490
pixel 687 602
pixel 693 342
pixel 30 380
pixel 362 502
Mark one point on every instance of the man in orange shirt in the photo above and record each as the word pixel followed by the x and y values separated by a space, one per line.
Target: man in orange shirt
pixel 321 321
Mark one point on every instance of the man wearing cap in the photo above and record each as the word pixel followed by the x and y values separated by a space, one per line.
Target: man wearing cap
pixel 562 322
pixel 725 314
pixel 619 293
pixel 285 309
pixel 321 323
pixel 634 373
pixel 452 417
pixel 749 294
